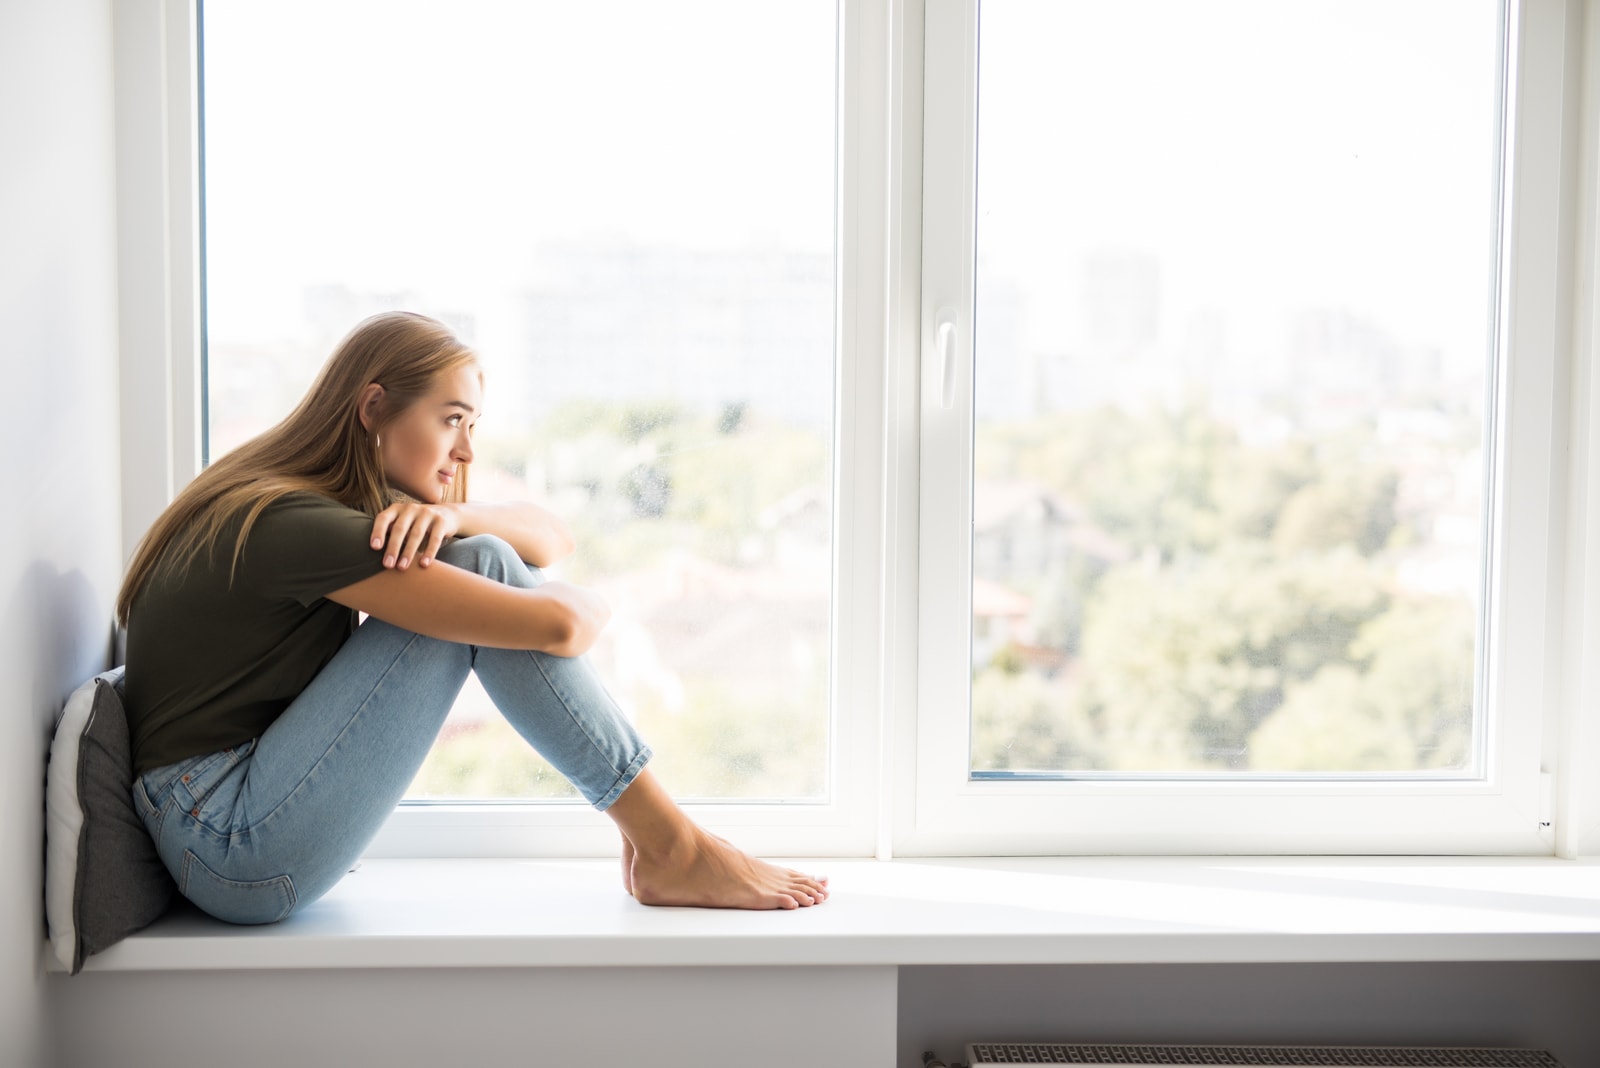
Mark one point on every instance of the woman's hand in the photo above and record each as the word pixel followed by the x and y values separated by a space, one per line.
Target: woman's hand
pixel 409 531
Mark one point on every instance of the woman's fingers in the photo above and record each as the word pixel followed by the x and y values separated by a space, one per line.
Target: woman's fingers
pixel 422 540
pixel 388 534
pixel 409 532
pixel 390 531
pixel 380 530
pixel 434 543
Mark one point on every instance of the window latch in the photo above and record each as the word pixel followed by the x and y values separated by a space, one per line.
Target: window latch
pixel 944 328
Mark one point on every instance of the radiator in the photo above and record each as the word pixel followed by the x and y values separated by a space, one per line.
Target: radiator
pixel 983 1054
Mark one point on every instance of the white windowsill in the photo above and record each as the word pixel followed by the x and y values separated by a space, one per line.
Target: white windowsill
pixel 554 913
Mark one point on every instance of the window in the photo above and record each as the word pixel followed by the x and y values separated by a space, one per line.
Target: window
pixel 1234 316
pixel 629 209
pixel 1216 334
pixel 968 390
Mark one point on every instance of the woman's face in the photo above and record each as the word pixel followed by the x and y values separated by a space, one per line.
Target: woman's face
pixel 422 447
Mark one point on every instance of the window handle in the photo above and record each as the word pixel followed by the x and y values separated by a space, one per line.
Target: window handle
pixel 945 336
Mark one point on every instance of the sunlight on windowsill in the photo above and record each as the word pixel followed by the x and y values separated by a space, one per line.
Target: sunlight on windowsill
pixel 565 913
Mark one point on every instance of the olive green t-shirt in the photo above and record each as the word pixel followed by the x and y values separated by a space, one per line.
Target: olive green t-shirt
pixel 212 665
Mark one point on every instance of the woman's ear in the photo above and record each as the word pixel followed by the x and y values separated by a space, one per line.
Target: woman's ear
pixel 370 406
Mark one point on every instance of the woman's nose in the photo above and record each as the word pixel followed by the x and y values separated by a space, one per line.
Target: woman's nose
pixel 463 450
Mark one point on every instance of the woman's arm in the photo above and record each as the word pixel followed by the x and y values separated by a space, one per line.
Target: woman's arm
pixel 441 601
pixel 410 532
pixel 538 534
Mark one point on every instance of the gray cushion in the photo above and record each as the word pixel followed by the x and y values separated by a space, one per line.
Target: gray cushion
pixel 103 880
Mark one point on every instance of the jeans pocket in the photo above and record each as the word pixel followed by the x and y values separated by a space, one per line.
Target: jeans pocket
pixel 144 806
pixel 232 900
pixel 205 775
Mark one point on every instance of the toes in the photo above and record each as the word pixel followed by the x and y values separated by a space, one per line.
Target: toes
pixel 805 895
pixel 817 888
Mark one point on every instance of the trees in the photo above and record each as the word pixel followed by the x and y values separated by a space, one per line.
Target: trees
pixel 1255 624
pixel 1209 604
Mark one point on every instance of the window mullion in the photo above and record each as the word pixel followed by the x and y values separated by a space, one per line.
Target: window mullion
pixel 945 333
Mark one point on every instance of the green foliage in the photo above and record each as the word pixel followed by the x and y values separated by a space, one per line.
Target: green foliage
pixel 1058 604
pixel 1182 663
pixel 695 482
pixel 648 490
pixel 731 418
pixel 1347 508
pixel 728 742
pixel 722 744
pixel 1253 623
pixel 1404 701
pixel 639 421
pixel 1250 618
pixel 1024 721
pixel 722 482
pixel 629 422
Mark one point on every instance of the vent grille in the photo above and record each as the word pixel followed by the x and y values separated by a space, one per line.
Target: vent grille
pixel 987 1053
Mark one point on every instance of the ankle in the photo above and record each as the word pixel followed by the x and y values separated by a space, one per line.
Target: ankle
pixel 649 818
pixel 670 842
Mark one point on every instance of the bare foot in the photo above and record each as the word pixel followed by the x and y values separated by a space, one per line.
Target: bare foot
pixel 627 865
pixel 701 869
pixel 675 861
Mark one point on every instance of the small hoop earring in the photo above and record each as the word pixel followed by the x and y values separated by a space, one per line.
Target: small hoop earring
pixel 377 439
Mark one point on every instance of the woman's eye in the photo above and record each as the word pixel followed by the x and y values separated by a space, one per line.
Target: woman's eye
pixel 454 420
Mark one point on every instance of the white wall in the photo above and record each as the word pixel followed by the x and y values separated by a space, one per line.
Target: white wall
pixel 60 555
pixel 422 1018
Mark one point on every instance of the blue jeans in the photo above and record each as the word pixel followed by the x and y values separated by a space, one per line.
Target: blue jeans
pixel 256 831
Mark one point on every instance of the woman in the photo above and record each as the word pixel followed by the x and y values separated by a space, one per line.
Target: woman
pixel 272 736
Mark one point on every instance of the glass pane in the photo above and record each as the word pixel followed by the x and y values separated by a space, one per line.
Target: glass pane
pixel 628 209
pixel 1233 333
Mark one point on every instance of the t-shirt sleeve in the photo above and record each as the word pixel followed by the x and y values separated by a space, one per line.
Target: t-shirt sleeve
pixel 304 547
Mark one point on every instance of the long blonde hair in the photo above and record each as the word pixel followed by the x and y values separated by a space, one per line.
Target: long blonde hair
pixel 321 447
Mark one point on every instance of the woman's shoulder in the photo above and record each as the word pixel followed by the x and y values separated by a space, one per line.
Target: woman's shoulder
pixel 302 513
pixel 310 502
pixel 301 539
pixel 306 515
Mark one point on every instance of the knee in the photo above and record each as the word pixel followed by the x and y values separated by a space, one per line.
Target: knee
pixel 491 557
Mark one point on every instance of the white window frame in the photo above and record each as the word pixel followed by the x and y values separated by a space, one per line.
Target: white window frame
pixel 1508 809
pixel 895 789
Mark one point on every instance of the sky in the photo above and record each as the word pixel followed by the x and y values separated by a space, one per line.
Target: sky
pixel 1273 154
pixel 1323 152
pixel 410 144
